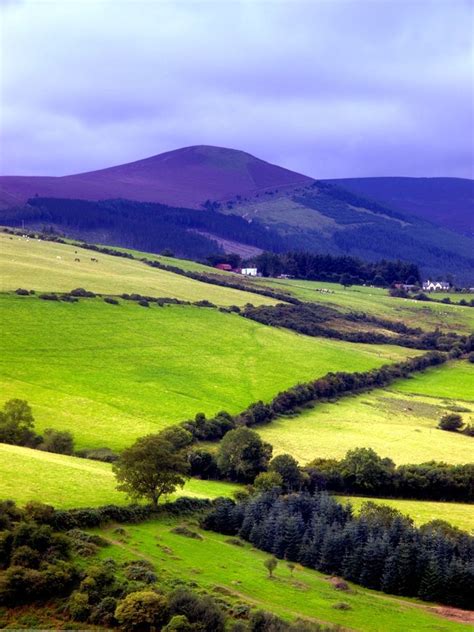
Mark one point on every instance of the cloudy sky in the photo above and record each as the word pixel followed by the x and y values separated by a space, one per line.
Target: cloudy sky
pixel 330 88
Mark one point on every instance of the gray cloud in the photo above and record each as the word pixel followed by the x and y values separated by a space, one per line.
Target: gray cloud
pixel 331 89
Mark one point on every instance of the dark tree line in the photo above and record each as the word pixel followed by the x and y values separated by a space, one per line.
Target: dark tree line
pixel 380 549
pixel 325 267
pixel 146 226
pixel 362 471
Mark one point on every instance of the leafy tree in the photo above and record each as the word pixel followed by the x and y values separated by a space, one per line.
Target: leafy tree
pixel 177 436
pixel 451 422
pixel 242 455
pixel 150 468
pixel 287 467
pixel 270 564
pixel 16 424
pixel 366 470
pixel 144 610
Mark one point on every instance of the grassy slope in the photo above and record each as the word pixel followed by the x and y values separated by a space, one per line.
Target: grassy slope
pixel 66 481
pixel 377 302
pixel 458 514
pixel 453 381
pixel 35 265
pixel 392 422
pixel 237 573
pixel 113 373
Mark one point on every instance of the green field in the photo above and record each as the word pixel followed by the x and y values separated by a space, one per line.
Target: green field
pixel 113 373
pixel 237 574
pixel 67 482
pixel 376 301
pixel 48 266
pixel 460 515
pixel 393 423
pixel 455 381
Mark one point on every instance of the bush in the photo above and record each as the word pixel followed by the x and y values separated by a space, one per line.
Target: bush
pixel 451 422
pixel 197 609
pixel 111 301
pixel 57 441
pixel 48 297
pixel 22 292
pixel 81 292
pixel 141 571
pixel 143 610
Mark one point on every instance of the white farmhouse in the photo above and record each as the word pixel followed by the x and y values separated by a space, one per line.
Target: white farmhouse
pixel 436 286
pixel 249 271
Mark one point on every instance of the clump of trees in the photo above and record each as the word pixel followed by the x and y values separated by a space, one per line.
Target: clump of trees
pixel 17 428
pixel 363 471
pixel 380 549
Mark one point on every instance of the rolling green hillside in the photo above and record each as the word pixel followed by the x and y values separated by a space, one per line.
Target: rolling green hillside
pixel 392 421
pixel 376 301
pixel 111 373
pixel 237 574
pixel 454 381
pixel 48 266
pixel 66 481
pixel 422 511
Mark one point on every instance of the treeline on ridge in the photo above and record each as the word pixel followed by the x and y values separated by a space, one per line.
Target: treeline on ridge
pixel 325 267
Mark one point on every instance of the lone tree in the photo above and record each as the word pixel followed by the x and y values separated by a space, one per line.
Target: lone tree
pixel 270 564
pixel 451 422
pixel 150 468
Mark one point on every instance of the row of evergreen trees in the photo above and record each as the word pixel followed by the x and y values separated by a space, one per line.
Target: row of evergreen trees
pixel 380 549
pixel 307 265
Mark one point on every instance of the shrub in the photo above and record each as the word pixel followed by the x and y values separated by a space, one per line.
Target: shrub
pixel 143 610
pixel 48 297
pixel 141 571
pixel 201 610
pixel 451 422
pixel 57 441
pixel 178 623
pixel 111 301
pixel 78 606
pixel 22 292
pixel 80 291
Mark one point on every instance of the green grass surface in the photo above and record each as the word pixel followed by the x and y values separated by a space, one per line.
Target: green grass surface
pixel 237 574
pixel 376 301
pixel 394 423
pixel 455 381
pixel 47 266
pixel 66 481
pixel 460 515
pixel 113 373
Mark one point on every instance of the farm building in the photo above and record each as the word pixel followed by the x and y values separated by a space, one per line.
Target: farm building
pixel 249 271
pixel 436 286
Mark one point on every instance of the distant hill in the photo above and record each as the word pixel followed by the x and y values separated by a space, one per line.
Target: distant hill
pixel 202 199
pixel 184 177
pixel 448 202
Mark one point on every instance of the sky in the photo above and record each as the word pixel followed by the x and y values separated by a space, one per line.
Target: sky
pixel 329 88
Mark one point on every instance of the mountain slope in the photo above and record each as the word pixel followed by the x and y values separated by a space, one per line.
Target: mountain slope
pixel 247 205
pixel 184 177
pixel 448 202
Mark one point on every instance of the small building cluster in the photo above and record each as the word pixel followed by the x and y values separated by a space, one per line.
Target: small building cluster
pixel 436 286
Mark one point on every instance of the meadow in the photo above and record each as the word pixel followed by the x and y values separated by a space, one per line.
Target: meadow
pixel 453 381
pixel 376 301
pixel 66 481
pixel 460 515
pixel 237 574
pixel 393 422
pixel 112 373
pixel 47 266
